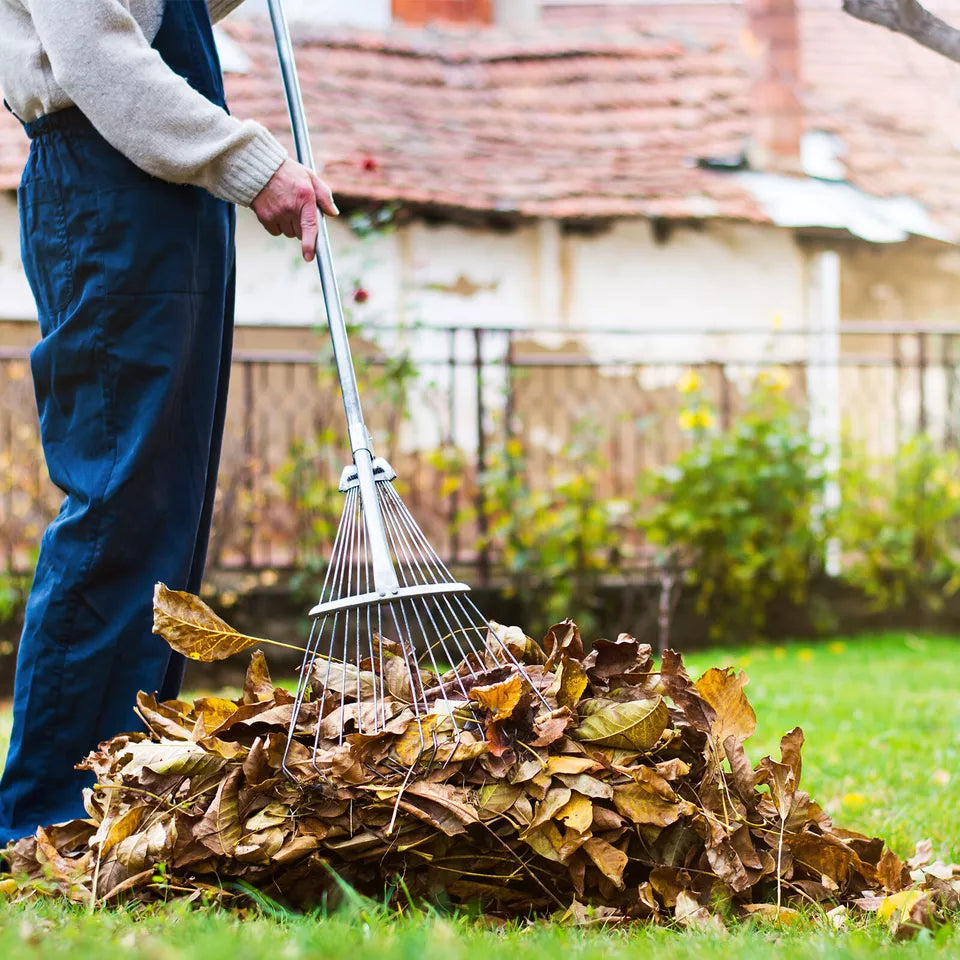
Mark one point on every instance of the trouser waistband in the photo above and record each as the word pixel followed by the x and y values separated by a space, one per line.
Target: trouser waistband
pixel 70 119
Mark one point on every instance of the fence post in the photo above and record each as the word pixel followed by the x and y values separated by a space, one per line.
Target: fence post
pixel 823 377
pixel 483 558
pixel 950 377
pixel 726 412
pixel 921 382
pixel 454 498
pixel 897 382
pixel 248 419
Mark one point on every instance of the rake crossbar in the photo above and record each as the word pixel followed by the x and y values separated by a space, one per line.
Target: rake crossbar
pixel 365 599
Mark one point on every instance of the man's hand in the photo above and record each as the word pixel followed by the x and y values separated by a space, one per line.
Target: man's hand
pixel 288 205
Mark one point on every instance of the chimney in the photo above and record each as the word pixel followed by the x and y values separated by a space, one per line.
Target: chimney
pixel 774 38
pixel 419 12
pixel 517 14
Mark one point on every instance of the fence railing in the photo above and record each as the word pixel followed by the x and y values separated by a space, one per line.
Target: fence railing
pixel 442 402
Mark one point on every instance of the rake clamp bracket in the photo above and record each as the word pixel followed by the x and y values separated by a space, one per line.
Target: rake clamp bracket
pixel 382 472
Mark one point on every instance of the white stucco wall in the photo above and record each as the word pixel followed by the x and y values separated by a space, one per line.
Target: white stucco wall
pixel 16 301
pixel 720 276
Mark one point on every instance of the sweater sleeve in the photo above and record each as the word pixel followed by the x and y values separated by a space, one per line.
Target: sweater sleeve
pixel 103 63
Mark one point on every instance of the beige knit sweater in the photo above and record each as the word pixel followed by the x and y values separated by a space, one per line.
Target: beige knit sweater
pixel 96 54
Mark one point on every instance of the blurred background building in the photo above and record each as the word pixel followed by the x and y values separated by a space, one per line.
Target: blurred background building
pixel 554 209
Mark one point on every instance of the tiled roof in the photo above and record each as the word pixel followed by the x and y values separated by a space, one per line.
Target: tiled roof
pixel 894 104
pixel 593 117
pixel 576 124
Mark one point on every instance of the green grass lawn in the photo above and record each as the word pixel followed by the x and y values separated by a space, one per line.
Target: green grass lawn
pixel 882 720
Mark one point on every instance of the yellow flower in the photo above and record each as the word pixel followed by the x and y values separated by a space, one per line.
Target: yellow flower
pixel 699 419
pixel 854 801
pixel 837 646
pixel 689 382
pixel 777 380
pixel 805 655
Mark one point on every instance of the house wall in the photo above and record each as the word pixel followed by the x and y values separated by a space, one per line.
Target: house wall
pixel 916 284
pixel 672 288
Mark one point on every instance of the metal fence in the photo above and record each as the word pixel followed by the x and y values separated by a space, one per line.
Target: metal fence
pixel 442 403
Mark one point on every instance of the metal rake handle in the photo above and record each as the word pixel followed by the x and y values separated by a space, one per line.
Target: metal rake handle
pixel 361 444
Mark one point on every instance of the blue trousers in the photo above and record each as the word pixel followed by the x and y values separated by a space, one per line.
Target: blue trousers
pixel 134 283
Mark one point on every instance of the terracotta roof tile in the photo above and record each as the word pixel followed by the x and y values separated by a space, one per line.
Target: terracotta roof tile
pixel 600 114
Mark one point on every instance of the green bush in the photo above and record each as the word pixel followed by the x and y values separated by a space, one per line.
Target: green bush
pixel 899 526
pixel 741 508
pixel 556 542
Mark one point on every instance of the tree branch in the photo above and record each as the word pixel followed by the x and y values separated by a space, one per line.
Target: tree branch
pixel 912 20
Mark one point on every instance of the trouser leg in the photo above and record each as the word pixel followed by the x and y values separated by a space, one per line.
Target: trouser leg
pixel 170 687
pixel 131 409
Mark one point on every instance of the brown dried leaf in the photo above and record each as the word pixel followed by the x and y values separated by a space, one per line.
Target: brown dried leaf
pixel 680 688
pixel 113 831
pixel 172 758
pixel 689 913
pixel 587 785
pixel 550 729
pixel 723 690
pixel 257 685
pixel 193 629
pixel 220 829
pixel 650 800
pixel 562 639
pixel 610 861
pixel 892 872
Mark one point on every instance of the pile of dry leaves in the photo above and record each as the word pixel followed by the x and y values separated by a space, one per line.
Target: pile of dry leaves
pixel 631 795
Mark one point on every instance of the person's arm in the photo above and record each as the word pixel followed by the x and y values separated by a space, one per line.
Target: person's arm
pixel 102 61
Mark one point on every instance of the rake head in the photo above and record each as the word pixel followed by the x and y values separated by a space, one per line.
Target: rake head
pixel 400 661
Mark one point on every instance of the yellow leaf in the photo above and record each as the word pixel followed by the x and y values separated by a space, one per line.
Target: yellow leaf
pixel 573 682
pixel 899 904
pixel 636 725
pixel 416 739
pixel 576 813
pixel 193 629
pixel 545 840
pixel 772 914
pixel 723 690
pixel 215 711
pixel 501 699
pixel 119 829
pixel 565 764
